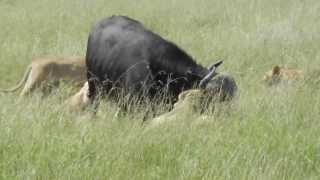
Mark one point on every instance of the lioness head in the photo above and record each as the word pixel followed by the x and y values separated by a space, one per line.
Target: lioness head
pixel 222 88
pixel 191 102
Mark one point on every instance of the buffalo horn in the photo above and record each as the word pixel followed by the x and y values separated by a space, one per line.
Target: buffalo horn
pixel 210 75
pixel 215 65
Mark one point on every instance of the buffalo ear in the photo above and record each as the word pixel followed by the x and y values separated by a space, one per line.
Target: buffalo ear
pixel 215 65
pixel 276 70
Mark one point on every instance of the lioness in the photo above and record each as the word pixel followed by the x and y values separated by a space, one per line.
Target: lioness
pixel 280 74
pixel 45 70
pixel 198 100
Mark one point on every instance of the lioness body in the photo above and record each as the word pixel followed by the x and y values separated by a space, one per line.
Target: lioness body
pixel 281 74
pixel 45 70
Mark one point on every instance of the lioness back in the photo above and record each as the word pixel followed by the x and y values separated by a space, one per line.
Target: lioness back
pixel 62 68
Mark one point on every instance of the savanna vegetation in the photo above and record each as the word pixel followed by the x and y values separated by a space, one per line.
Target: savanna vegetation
pixel 267 132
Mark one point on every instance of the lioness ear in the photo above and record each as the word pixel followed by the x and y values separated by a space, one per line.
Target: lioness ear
pixel 276 70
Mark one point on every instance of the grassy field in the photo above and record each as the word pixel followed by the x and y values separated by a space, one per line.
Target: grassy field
pixel 270 133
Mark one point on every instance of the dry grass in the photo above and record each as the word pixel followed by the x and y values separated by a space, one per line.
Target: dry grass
pixel 271 133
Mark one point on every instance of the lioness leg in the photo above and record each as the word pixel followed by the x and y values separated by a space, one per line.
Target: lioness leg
pixel 80 100
pixel 35 79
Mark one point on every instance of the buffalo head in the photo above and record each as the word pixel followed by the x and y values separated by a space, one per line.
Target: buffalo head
pixel 222 86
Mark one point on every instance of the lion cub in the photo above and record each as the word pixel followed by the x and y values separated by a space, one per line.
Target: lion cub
pixel 45 70
pixel 281 74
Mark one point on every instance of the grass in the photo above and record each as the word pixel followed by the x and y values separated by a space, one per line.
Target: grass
pixel 271 133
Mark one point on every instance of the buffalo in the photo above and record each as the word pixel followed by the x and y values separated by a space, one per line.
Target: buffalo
pixel 123 56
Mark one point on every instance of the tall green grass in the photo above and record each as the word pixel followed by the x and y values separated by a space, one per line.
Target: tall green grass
pixel 270 133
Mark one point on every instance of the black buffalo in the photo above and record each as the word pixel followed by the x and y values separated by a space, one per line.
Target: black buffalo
pixel 124 55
